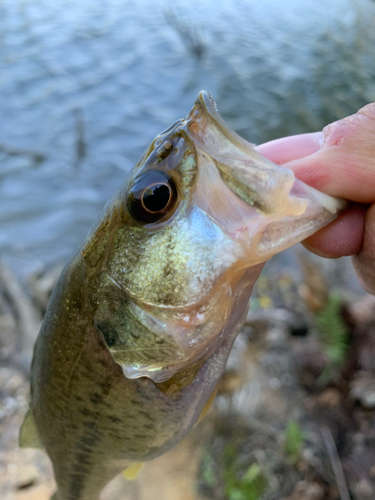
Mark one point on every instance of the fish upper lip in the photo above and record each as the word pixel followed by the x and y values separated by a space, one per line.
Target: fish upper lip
pixel 209 105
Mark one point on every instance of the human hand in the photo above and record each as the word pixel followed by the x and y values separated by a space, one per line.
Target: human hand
pixel 340 161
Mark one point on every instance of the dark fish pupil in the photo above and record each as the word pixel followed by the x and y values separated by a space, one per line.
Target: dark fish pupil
pixel 156 198
pixel 152 197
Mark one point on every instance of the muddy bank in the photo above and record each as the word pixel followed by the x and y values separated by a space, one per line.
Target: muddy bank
pixel 295 414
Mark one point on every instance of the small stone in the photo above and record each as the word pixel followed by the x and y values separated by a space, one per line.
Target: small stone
pixel 26 477
pixel 363 490
pixel 13 383
pixel 363 389
pixel 40 492
pixel 330 398
pixel 363 310
pixel 274 384
pixel 307 491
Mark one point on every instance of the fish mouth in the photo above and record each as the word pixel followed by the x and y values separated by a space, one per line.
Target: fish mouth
pixel 264 205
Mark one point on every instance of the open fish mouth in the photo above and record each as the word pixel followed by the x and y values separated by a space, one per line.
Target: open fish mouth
pixel 238 210
pixel 278 210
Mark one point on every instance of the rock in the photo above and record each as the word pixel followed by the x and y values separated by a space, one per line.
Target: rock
pixel 363 389
pixel 372 472
pixel 363 490
pixel 330 398
pixel 363 310
pixel 307 491
pixel 40 492
pixel 27 477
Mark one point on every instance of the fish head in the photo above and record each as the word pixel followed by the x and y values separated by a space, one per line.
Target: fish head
pixel 184 241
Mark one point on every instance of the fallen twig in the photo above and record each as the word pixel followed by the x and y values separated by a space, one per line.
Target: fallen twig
pixel 336 463
pixel 80 143
pixel 189 35
pixel 26 314
pixel 36 156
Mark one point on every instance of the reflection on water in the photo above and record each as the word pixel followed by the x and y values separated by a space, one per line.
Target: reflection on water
pixel 84 87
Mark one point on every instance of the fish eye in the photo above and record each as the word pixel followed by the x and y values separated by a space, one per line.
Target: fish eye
pixel 152 197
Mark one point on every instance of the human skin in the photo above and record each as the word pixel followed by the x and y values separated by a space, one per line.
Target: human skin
pixel 339 161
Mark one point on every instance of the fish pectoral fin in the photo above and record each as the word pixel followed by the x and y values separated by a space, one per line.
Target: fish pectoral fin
pixel 28 437
pixel 132 471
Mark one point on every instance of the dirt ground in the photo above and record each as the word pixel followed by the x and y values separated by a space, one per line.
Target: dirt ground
pixel 294 418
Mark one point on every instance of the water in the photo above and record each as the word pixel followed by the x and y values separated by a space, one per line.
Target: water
pixel 89 84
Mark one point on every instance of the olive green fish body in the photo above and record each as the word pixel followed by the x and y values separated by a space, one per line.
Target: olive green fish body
pixel 93 421
pixel 142 320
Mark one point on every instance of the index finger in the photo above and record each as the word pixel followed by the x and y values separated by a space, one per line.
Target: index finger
pixel 291 148
pixel 343 165
pixel 342 237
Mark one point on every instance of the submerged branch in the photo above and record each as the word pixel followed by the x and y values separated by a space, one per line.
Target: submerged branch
pixel 36 156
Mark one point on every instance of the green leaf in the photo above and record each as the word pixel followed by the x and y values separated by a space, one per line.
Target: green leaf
pixel 294 438
pixel 334 333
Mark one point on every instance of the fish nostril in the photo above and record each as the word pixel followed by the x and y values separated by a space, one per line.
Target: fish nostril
pixel 164 150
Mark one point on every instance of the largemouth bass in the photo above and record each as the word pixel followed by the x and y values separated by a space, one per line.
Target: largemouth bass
pixel 142 319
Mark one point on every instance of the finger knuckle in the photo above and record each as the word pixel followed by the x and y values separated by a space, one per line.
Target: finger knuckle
pixel 358 128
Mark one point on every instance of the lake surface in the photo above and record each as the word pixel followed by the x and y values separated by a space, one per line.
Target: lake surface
pixel 85 86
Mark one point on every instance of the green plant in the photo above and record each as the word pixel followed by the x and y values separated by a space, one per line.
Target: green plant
pixel 239 483
pixel 294 438
pixel 208 475
pixel 246 486
pixel 334 333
